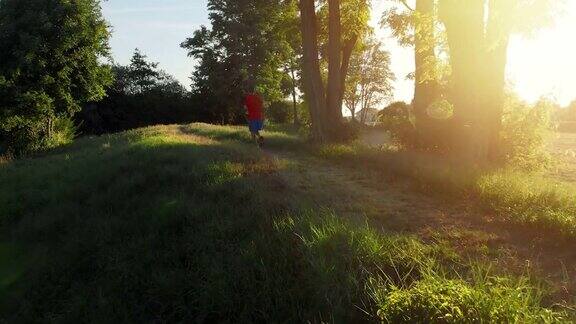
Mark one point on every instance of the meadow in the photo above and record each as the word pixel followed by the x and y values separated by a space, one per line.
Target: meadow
pixel 194 224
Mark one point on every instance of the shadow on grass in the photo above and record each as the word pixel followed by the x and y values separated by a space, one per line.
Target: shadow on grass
pixel 275 137
pixel 147 227
pixel 543 207
pixel 150 226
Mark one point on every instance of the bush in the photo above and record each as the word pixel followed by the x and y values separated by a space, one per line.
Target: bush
pixel 396 119
pixel 439 300
pixel 120 111
pixel 63 132
pixel 24 122
pixel 279 111
pixel 525 130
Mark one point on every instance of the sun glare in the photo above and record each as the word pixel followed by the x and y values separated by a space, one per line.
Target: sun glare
pixel 540 65
pixel 545 64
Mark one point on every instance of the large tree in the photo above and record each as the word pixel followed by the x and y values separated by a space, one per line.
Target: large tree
pixel 345 24
pixel 478 33
pixel 243 47
pixel 369 79
pixel 50 64
pixel 417 26
pixel 143 75
pixel 313 83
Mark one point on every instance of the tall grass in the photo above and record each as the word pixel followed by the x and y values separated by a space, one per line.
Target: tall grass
pixel 276 136
pixel 529 199
pixel 517 197
pixel 166 225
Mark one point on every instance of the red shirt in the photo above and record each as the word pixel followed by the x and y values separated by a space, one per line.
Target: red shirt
pixel 254 106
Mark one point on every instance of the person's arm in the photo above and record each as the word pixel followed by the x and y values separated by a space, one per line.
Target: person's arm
pixel 245 105
pixel 262 110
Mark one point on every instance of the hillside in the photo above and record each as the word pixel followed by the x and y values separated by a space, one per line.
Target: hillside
pixel 193 223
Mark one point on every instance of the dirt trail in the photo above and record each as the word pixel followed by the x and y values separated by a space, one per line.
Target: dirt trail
pixel 393 205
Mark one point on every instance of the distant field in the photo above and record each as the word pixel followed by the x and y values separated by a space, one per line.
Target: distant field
pixel 563 148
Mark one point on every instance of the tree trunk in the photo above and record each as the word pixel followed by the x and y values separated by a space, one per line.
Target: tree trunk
pixel 346 55
pixel 334 85
pixel 425 91
pixel 464 22
pixel 49 127
pixel 313 84
pixel 478 56
pixel 498 37
pixel 495 97
pixel 294 102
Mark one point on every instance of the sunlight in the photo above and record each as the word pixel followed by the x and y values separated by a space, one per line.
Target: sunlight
pixel 545 65
pixel 370 161
pixel 539 65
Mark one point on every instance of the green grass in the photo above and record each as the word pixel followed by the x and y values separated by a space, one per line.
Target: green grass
pixel 190 224
pixel 515 197
pixel 276 136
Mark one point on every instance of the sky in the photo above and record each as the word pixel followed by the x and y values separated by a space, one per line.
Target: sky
pixel 541 65
pixel 156 27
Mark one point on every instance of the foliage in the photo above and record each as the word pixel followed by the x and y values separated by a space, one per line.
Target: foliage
pixel 413 28
pixel 247 46
pixel 63 133
pixel 396 119
pixel 142 74
pixel 279 111
pixel 172 250
pixel 525 131
pixel 369 80
pixel 141 95
pixel 49 66
pixel 355 18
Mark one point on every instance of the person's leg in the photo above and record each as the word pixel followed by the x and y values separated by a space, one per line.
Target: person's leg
pixel 260 137
pixel 253 130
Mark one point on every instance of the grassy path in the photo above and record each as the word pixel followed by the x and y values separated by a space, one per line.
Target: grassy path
pixel 194 224
pixel 396 205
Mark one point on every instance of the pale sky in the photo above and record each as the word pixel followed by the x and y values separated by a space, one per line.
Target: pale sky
pixel 156 27
pixel 543 65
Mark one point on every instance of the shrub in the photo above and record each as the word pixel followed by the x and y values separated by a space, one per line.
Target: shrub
pixel 24 123
pixel 525 130
pixel 279 111
pixel 63 132
pixel 396 119
pixel 439 300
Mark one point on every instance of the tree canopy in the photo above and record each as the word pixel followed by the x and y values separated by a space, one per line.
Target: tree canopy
pixel 246 46
pixel 369 81
pixel 50 64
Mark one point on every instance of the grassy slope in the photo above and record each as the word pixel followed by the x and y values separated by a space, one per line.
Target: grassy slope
pixel 190 224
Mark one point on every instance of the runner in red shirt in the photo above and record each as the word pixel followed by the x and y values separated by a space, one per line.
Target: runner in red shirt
pixel 254 111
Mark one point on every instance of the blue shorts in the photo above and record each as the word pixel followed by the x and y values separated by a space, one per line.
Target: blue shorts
pixel 255 125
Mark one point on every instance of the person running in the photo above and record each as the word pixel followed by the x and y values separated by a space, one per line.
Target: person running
pixel 255 115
